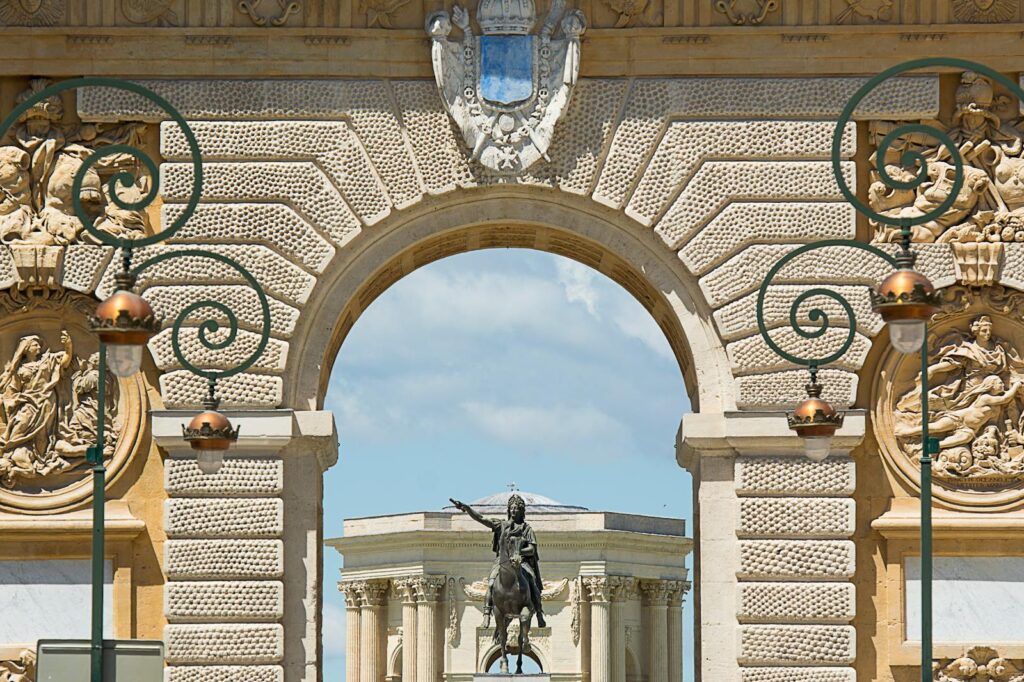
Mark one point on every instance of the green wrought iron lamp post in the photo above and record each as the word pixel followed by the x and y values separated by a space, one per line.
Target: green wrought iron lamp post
pixel 905 300
pixel 125 321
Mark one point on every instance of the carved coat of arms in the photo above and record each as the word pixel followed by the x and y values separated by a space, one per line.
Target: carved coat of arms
pixel 507 87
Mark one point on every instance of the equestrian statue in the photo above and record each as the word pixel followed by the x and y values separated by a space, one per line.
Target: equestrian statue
pixel 514 586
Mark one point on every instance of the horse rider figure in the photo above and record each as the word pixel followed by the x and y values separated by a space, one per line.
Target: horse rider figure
pixel 514 526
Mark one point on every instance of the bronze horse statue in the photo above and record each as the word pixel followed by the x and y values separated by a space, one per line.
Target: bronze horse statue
pixel 512 604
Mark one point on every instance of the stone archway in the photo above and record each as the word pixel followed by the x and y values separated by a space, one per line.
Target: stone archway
pixel 576 229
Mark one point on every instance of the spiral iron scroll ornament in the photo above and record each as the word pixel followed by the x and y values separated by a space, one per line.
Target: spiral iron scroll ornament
pixel 123 179
pixel 209 327
pixel 819 318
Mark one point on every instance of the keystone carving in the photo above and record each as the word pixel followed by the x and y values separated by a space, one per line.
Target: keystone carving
pixel 37 173
pixel 506 89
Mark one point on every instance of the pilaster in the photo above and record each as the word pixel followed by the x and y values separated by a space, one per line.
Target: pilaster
pixel 774 546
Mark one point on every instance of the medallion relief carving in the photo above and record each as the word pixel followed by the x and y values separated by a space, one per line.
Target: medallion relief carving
pixel 31 12
pixel 984 11
pixel 989 208
pixel 49 401
pixel 37 173
pixel 980 664
pixel 976 399
pixel 746 12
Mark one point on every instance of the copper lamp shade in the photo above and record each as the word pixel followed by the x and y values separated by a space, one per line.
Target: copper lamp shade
pixel 210 430
pixel 905 295
pixel 125 319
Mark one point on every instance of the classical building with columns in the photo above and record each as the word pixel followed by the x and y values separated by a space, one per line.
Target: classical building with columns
pixel 614 585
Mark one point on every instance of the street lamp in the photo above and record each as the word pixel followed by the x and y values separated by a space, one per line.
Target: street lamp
pixel 125 323
pixel 210 434
pixel 905 300
pixel 815 421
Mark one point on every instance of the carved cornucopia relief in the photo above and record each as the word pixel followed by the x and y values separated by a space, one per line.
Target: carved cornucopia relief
pixel 49 402
pixel 19 669
pixel 975 399
pixel 980 664
pixel 37 174
pixel 989 208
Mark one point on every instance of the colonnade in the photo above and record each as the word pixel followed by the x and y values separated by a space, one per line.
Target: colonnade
pixel 366 629
pixel 607 622
pixel 661 655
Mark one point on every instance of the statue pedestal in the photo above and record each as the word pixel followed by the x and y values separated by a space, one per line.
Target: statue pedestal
pixel 509 677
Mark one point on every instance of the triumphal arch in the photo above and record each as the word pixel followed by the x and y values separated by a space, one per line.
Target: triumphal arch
pixel 679 147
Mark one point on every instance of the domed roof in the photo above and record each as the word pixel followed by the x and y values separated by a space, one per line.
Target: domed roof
pixel 535 504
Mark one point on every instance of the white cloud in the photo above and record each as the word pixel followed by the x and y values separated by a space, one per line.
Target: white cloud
pixel 578 282
pixel 635 322
pixel 556 430
pixel 333 630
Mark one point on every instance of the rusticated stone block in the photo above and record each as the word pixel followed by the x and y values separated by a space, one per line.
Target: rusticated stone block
pixel 798 675
pixel 238 558
pixel 181 388
pixel 797 602
pixel 224 643
pixel 218 601
pixel 824 559
pixel 797 644
pixel 255 476
pixel 795 476
pixel 224 673
pixel 787 388
pixel 223 517
pixel 813 517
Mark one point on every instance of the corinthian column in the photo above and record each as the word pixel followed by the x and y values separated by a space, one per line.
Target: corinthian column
pixel 622 589
pixel 677 589
pixel 428 642
pixel 656 608
pixel 600 589
pixel 372 649
pixel 406 591
pixel 352 592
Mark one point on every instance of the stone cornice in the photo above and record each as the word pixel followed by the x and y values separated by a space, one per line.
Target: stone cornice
pixel 448 540
pixel 373 53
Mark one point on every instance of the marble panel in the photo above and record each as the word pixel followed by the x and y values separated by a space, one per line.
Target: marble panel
pixel 50 599
pixel 974 599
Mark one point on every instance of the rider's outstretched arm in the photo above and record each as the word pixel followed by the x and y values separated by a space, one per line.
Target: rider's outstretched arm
pixel 474 514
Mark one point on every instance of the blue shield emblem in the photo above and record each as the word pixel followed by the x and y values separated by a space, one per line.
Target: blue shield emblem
pixel 506 68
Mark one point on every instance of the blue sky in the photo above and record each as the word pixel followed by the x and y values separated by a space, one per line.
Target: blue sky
pixel 510 354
